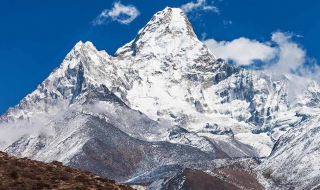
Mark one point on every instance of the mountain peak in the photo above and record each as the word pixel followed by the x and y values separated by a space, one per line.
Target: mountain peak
pixel 166 26
pixel 171 10
pixel 179 19
pixel 81 44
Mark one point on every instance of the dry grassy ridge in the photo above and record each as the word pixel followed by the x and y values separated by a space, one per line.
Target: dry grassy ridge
pixel 24 174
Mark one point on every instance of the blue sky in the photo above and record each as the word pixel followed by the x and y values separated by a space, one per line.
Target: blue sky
pixel 35 35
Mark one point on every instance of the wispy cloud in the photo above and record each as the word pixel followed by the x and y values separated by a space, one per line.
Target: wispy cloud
pixel 123 14
pixel 11 132
pixel 203 36
pixel 227 22
pixel 199 5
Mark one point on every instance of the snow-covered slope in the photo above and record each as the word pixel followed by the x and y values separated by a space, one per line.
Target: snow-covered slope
pixel 294 161
pixel 164 92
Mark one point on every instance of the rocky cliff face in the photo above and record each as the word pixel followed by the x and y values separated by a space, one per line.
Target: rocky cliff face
pixel 162 100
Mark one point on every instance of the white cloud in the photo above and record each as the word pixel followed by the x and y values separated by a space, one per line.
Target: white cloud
pixel 290 56
pixel 242 51
pixel 120 13
pixel 199 5
pixel 280 55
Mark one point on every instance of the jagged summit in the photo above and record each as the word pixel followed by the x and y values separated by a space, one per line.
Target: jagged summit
pixel 168 29
pixel 169 20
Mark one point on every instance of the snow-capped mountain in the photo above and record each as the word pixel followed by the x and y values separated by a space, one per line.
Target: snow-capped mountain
pixel 162 100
